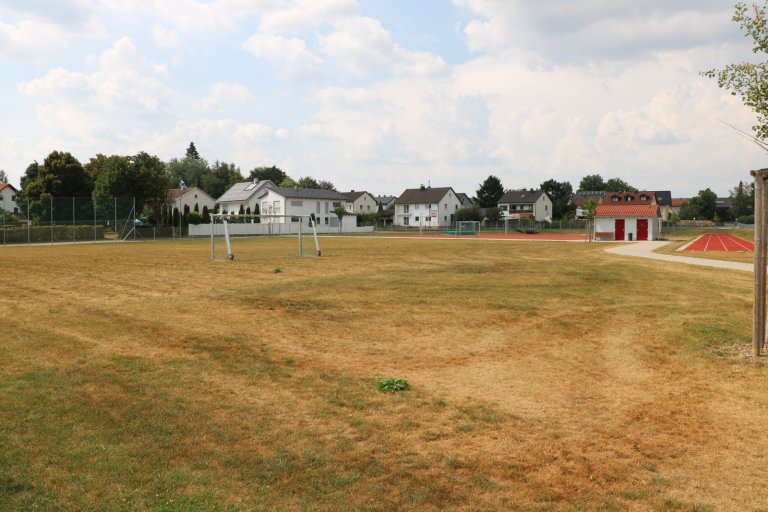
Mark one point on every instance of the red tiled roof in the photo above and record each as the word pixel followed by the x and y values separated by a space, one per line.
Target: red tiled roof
pixel 627 210
pixel 3 186
pixel 679 201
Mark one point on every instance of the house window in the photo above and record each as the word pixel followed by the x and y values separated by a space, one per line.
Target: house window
pixel 445 218
pixel 327 208
pixel 628 198
pixel 406 208
pixel 318 208
pixel 406 221
pixel 326 218
pixel 615 199
pixel 416 219
pixel 297 203
pixel 276 206
pixel 446 206
pixel 644 198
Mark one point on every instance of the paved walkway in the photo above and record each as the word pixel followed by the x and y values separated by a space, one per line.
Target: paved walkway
pixel 645 250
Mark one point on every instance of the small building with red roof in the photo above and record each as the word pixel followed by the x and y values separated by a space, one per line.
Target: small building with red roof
pixel 627 221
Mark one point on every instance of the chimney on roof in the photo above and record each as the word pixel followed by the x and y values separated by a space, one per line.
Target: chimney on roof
pixel 422 187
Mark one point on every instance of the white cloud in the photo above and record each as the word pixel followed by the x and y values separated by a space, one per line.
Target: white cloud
pixel 126 86
pixel 289 55
pixel 580 30
pixel 298 15
pixel 361 46
pixel 223 93
pixel 31 39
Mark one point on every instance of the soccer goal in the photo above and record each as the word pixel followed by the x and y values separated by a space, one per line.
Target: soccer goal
pixel 251 236
pixel 467 227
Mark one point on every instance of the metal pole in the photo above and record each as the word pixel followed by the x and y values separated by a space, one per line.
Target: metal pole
pixel 114 226
pixel 74 235
pixel 134 219
pixel 51 203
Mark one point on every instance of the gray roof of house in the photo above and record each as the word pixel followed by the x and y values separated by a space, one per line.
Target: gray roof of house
pixel 520 196
pixel 354 195
pixel 465 199
pixel 422 195
pixel 663 197
pixel 310 193
pixel 243 191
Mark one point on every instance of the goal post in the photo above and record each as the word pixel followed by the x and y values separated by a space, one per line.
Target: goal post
pixel 467 227
pixel 254 236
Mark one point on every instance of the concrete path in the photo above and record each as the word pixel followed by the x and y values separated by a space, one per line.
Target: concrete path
pixel 645 250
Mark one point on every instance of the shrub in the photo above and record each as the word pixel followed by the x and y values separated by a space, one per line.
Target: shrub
pixel 393 385
pixel 194 218
pixel 747 219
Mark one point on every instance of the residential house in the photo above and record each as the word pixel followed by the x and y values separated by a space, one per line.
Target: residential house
pixel 8 198
pixel 385 202
pixel 466 201
pixel 361 202
pixel 297 202
pixel 241 197
pixel 429 207
pixel 624 220
pixel 193 198
pixel 536 204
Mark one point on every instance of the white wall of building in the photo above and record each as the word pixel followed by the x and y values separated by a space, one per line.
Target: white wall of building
pixel 7 202
pixel 270 202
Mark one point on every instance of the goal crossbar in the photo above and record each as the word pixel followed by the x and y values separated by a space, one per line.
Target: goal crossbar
pixel 231 226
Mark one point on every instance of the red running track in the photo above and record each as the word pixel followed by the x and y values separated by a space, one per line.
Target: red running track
pixel 712 242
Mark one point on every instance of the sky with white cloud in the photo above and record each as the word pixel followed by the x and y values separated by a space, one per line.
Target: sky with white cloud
pixel 384 95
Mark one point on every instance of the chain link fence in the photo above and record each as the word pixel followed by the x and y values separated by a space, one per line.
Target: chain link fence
pixel 51 219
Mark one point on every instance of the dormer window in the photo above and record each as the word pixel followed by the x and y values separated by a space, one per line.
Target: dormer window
pixel 644 198
pixel 628 198
pixel 615 199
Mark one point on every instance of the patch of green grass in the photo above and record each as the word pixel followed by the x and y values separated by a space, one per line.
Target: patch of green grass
pixel 392 385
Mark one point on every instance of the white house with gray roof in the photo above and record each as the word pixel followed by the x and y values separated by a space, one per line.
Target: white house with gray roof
pixel 426 207
pixel 304 201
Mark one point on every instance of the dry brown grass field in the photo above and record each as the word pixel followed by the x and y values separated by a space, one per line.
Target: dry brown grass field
pixel 544 377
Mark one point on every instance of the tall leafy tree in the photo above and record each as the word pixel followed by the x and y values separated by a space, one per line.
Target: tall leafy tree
pixel 3 176
pixel 591 183
pixel 560 193
pixel 273 173
pixel 142 177
pixel 187 172
pixel 490 192
pixel 700 207
pixel 618 185
pixel 749 80
pixel 219 178
pixel 60 176
pixel 308 182
pixel 325 185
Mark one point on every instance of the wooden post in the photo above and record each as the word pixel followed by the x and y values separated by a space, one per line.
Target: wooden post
pixel 758 312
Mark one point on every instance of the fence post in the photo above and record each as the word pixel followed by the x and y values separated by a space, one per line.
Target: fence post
pixel 74 234
pixel 51 203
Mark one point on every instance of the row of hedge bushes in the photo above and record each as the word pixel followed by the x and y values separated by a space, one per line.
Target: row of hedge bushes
pixel 51 234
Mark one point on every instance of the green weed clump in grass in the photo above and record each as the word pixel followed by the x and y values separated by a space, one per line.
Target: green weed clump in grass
pixel 393 385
